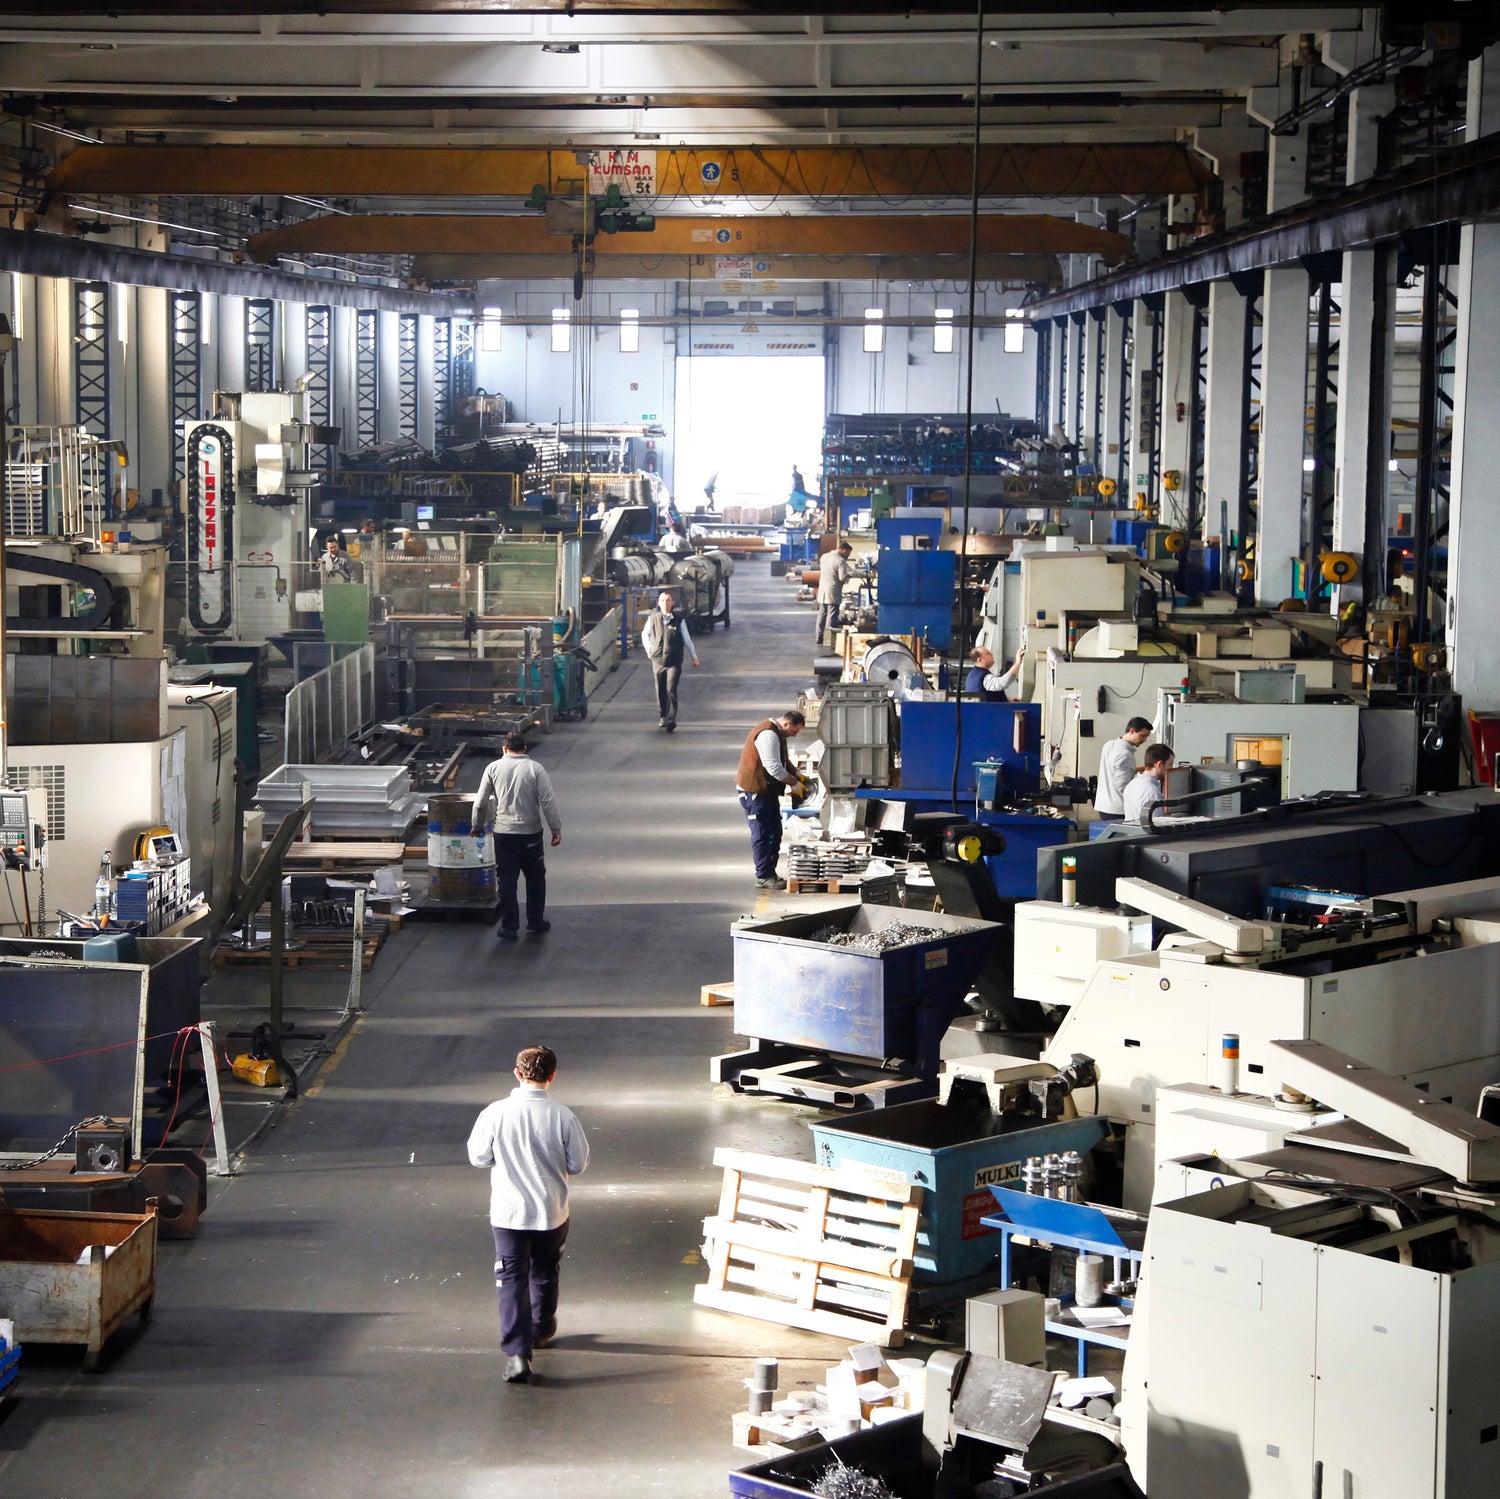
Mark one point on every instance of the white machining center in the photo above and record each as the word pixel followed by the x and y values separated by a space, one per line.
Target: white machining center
pixel 248 475
pixel 1406 981
pixel 1321 1318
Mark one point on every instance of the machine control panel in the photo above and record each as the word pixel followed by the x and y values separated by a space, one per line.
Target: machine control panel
pixel 23 828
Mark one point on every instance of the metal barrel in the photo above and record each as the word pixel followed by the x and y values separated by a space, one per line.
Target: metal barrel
pixel 460 860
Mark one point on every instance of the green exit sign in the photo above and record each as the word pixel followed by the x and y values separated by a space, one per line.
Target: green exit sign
pixel 648 416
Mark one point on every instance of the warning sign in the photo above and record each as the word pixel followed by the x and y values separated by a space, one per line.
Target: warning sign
pixel 633 172
pixel 977 1205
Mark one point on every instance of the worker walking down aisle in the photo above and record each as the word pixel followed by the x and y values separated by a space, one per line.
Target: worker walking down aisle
pixel 834 571
pixel 665 639
pixel 521 793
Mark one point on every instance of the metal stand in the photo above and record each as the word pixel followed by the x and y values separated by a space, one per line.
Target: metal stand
pixel 221 1163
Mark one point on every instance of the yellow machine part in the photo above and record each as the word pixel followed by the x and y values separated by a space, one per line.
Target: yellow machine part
pixel 1427 657
pixel 259 1071
pixel 1174 542
pixel 1172 479
pixel 970 850
pixel 1107 487
pixel 1339 567
pixel 142 846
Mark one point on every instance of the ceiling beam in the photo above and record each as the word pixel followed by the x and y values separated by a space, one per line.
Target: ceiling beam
pixel 997 10
pixel 1009 270
pixel 734 171
pixel 37 254
pixel 869 234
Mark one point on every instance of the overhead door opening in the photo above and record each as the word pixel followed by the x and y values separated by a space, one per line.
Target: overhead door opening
pixel 743 422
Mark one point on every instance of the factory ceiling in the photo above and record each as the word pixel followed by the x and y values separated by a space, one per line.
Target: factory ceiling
pixel 731 110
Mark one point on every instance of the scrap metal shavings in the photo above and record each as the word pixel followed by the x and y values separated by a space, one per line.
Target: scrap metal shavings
pixel 897 934
pixel 839 1481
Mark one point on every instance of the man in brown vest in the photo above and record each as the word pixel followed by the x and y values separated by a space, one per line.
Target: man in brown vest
pixel 763 774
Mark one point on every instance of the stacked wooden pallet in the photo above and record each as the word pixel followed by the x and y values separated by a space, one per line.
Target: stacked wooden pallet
pixel 812 1247
pixel 311 947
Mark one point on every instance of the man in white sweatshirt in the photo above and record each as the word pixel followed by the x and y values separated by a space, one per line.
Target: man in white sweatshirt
pixel 532 1145
pixel 517 792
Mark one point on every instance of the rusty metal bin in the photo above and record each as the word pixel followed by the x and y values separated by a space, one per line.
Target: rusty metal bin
pixel 75 1277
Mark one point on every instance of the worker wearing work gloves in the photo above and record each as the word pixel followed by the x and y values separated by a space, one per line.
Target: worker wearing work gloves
pixel 1117 770
pixel 834 571
pixel 763 774
pixel 665 640
pixel 532 1145
pixel 521 794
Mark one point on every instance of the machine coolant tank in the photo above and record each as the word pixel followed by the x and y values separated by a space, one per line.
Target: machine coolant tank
pixel 956 1151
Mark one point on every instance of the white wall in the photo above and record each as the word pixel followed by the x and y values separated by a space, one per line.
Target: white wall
pixel 908 376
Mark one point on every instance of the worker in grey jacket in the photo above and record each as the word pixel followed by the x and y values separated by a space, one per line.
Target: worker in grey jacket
pixel 833 573
pixel 520 793
pixel 532 1145
pixel 665 639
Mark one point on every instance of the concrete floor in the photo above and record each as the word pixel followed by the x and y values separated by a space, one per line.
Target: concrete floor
pixel 332 1330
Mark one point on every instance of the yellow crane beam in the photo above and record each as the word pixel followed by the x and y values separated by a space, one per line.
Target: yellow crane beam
pixel 842 234
pixel 1014 270
pixel 832 172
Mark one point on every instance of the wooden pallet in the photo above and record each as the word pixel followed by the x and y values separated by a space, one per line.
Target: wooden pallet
pixel 717 994
pixel 823 887
pixel 342 857
pixel 311 947
pixel 827 1250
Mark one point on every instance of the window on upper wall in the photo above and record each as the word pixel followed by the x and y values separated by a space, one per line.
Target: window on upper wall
pixel 1015 331
pixel 562 330
pixel 630 330
pixel 874 330
pixel 942 331
pixel 489 331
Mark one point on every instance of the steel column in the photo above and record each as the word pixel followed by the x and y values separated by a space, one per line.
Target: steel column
pixel 1096 385
pixel 1319 450
pixel 1225 420
pixel 1197 416
pixel 1245 522
pixel 260 344
pixel 1044 377
pixel 442 376
pixel 91 356
pixel 320 376
pixel 1173 443
pixel 1283 421
pixel 366 378
pixel 1124 430
pixel 185 354
pixel 406 375
pixel 1080 337
pixel 1429 522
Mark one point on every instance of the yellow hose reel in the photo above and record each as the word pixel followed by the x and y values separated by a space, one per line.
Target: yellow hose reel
pixel 1427 657
pixel 1172 479
pixel 1339 567
pixel 1174 542
pixel 1247 572
pixel 1107 488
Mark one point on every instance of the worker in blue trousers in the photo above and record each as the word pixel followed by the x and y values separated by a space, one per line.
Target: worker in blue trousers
pixel 532 1145
pixel 763 775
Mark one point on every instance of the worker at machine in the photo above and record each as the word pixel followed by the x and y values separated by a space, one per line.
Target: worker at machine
pixel 763 774
pixel 522 797
pixel 674 543
pixel 711 484
pixel 665 640
pixel 984 682
pixel 413 545
pixel 1145 791
pixel 834 571
pixel 333 564
pixel 532 1145
pixel 1117 770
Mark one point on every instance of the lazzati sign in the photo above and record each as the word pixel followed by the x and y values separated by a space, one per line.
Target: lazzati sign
pixel 210 465
pixel 633 172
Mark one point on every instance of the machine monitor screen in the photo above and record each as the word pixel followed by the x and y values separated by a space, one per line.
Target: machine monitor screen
pixel 426 512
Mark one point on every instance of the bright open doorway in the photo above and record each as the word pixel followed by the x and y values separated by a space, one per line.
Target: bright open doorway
pixel 747 419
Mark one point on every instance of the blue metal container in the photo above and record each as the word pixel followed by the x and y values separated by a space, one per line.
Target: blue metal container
pixel 873 1006
pixel 957 1151
pixel 929 743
